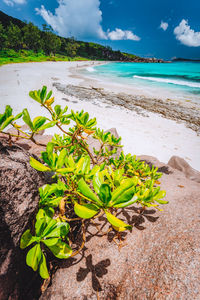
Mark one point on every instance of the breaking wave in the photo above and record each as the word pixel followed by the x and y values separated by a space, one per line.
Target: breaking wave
pixel 170 81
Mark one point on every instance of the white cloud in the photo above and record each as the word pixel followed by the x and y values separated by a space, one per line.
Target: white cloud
pixel 119 34
pixel 164 25
pixel 12 2
pixel 75 18
pixel 81 19
pixel 186 35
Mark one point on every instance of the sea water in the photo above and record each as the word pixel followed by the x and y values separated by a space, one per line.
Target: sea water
pixel 174 80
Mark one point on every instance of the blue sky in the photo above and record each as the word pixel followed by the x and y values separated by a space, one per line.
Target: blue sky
pixel 149 28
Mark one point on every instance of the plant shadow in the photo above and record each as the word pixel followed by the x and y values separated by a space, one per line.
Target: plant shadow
pixel 97 271
pixel 100 227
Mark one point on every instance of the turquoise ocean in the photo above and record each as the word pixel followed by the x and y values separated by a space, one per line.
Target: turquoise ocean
pixel 174 80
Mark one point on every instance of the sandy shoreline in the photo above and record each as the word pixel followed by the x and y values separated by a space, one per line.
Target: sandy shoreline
pixel 128 87
pixel 143 131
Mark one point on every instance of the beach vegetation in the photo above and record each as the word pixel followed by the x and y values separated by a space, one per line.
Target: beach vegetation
pixel 31 37
pixel 13 37
pixel 8 56
pixel 88 183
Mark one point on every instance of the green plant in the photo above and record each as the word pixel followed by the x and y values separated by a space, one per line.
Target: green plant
pixel 50 232
pixel 89 183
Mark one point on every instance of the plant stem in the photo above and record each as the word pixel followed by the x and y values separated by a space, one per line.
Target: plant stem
pixel 83 243
pixel 88 151
pixel 49 110
pixel 14 135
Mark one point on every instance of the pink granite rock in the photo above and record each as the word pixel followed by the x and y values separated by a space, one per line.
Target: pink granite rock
pixel 180 164
pixel 19 197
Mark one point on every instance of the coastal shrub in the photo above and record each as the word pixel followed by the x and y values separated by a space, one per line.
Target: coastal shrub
pixel 87 183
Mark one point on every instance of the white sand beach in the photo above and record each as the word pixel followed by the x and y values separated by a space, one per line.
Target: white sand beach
pixel 151 134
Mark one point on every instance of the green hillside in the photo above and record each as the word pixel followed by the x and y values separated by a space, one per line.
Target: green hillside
pixel 20 41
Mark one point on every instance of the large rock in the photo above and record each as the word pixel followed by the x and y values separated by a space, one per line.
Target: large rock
pixel 180 164
pixel 19 184
pixel 160 257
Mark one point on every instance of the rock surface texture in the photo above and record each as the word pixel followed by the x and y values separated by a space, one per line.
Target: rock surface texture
pixel 28 145
pixel 180 111
pixel 159 260
pixel 19 184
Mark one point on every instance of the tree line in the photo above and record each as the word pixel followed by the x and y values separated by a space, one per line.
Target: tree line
pixel 30 37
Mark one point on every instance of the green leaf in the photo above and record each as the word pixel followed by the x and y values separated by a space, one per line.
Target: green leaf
pixel 162 201
pixel 48 125
pixel 43 93
pixel 45 158
pixel 43 268
pixel 85 118
pixel 58 110
pixel 98 180
pixel 49 95
pixel 61 250
pixel 54 202
pixel 125 196
pixel 128 203
pixel 43 217
pixel 18 116
pixel 160 194
pixel 65 170
pixel 91 123
pixel 27 119
pixel 2 118
pixel 50 147
pixel 86 165
pixel 117 224
pixel 124 186
pixel 38 166
pixel 45 213
pixel 61 229
pixel 70 161
pixel 46 190
pixel 38 122
pixel 34 95
pixel 118 176
pixel 87 192
pixel 79 165
pixel 94 170
pixel 8 111
pixel 26 239
pixel 51 224
pixel 33 257
pixel 61 158
pixel 85 211
pixel 50 241
pixel 105 193
pixel 65 120
pixel 40 226
pixel 7 122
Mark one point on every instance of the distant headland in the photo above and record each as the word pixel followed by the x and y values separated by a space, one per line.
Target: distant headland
pixel 186 59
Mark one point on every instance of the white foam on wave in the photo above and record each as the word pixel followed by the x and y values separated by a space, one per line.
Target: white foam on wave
pixel 172 81
pixel 90 69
